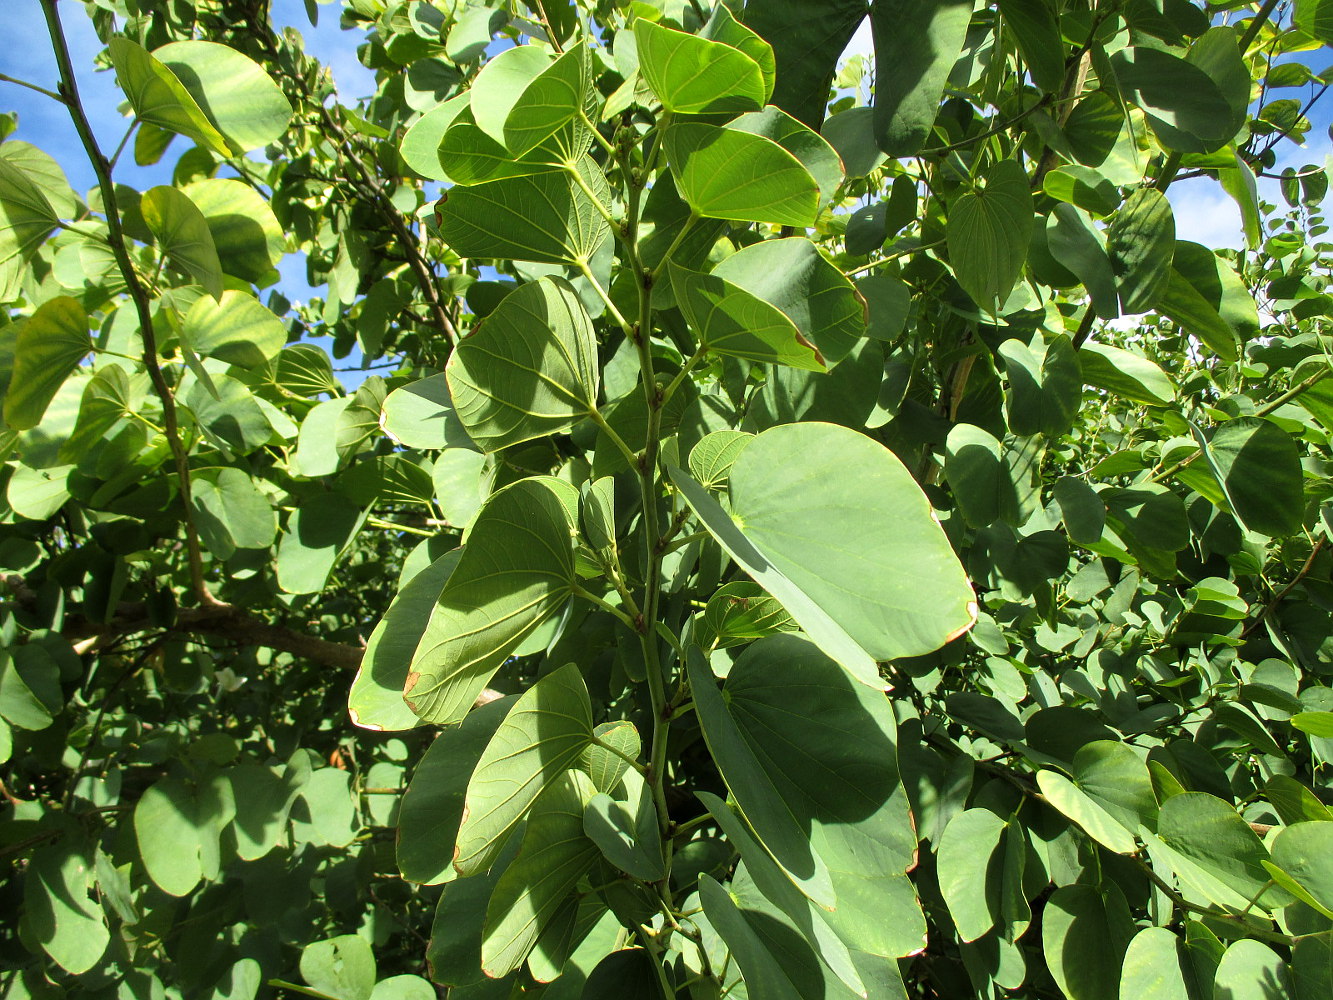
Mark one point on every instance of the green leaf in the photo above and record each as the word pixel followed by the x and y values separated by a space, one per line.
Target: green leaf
pixel 989 230
pixel 530 370
pixel 1085 933
pixel 546 218
pixel 808 38
pixel 234 328
pixel 1185 106
pixel 557 97
pixel 246 233
pixel 597 512
pixel 516 571
pixel 722 26
pixel 1315 17
pixel 1082 186
pixel 829 810
pixel 421 415
pixel 795 278
pixel 898 591
pixel 376 697
pixel 605 767
pixel 38 494
pixel 1126 374
pixel 341 967
pixel 1304 853
pixel 911 67
pixel 712 458
pixel 241 101
pixel 317 534
pixel 1080 807
pixel 57 913
pixel 1140 242
pixel 553 856
pixel 1117 779
pixel 1209 300
pixel 727 174
pixel 1252 969
pixel 544 734
pixel 1210 833
pixel 432 806
pixel 626 832
pixel 501 83
pixel 730 321
pixel 159 98
pixel 1035 25
pixel 1077 245
pixel 962 860
pixel 183 235
pixel 812 149
pixel 1315 723
pixel 50 344
pixel 1259 468
pixel 26 220
pixel 692 75
pixel 232 513
pixel 1152 969
pixel 1045 386
pixel 421 142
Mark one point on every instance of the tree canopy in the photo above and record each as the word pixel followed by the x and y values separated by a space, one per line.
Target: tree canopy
pixel 800 528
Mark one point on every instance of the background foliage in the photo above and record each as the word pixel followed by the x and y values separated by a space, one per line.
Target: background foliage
pixel 718 390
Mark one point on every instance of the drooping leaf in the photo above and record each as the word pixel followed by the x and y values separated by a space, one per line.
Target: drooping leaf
pixel 988 232
pixel 1259 468
pixel 183 235
pixel 50 344
pixel 241 101
pixel 1085 933
pixel 808 37
pixel 516 570
pixel 1140 242
pixel 246 233
pixel 543 735
pixel 1208 299
pixel 159 98
pixel 26 220
pixel 234 328
pixel 911 67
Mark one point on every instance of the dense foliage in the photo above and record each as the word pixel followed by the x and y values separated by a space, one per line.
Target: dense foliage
pixel 757 566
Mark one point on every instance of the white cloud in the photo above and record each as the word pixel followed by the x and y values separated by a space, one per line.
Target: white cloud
pixel 1205 214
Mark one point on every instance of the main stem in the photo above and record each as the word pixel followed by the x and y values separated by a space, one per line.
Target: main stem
pixel 69 94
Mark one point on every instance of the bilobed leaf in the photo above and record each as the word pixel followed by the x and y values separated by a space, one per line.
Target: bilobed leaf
pixel 26 220
pixel 159 98
pixel 604 766
pixel 723 27
pixel 1083 187
pixel 1152 968
pixel 232 512
pixel 183 235
pixel 1211 834
pixel 1252 969
pixel 1035 25
pixel 530 370
pixel 989 231
pixel 911 66
pixel 543 736
pixel 690 74
pixel 1315 17
pixel 794 277
pixel 728 320
pixel 234 328
pixel 50 344
pixel 963 859
pixel 1124 373
pixel 241 101
pixel 58 914
pixel 1085 933
pixel 421 142
pixel 727 174
pixel 1140 242
pixel 863 590
pixel 553 856
pixel 1184 104
pixel 1077 245
pixel 812 149
pixel 246 233
pixel 375 700
pixel 516 570
pixel 1080 807
pixel 341 967
pixel 421 415
pixel 1304 853
pixel 712 458
pixel 551 102
pixel 1045 386
pixel 501 82
pixel 829 810
pixel 626 830
pixel 1259 468
pixel 545 218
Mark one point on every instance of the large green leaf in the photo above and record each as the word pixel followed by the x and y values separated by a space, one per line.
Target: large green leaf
pixel 375 700
pixel 516 571
pixel 829 809
pixel 963 860
pixel 246 233
pixel 989 231
pixel 727 174
pixel 690 74
pixel 341 967
pixel 1209 300
pixel 1304 853
pixel 626 831
pixel 1035 25
pixel 729 320
pixel 795 278
pixel 231 512
pixel 421 415
pixel 808 38
pixel 159 98
pixel 421 142
pixel 553 856
pixel 234 328
pixel 911 66
pixel 1259 468
pixel 1085 933
pixel 177 829
pixel 317 535
pixel 432 806
pixel 26 220
pixel 1152 969
pixel 1045 386
pixel 50 344
pixel 1125 373
pixel 241 101
pixel 865 589
pixel 1212 835
pixel 1077 245
pixel 544 735
pixel 553 100
pixel 183 235
pixel 546 218
pixel 530 370
pixel 1140 242
pixel 1185 105
pixel 1252 969
pixel 57 912
pixel 812 149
